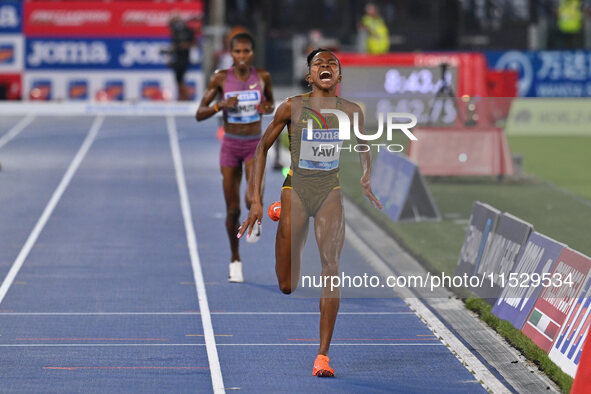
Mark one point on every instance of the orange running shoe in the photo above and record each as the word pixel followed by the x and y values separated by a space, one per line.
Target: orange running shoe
pixel 275 211
pixel 321 367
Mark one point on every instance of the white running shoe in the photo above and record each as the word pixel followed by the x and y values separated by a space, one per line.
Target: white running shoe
pixel 235 272
pixel 256 233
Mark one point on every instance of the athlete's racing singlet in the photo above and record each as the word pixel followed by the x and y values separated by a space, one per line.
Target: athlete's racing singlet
pixel 314 156
pixel 249 93
pixel 319 149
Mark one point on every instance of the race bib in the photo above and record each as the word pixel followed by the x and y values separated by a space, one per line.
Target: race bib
pixel 246 110
pixel 321 151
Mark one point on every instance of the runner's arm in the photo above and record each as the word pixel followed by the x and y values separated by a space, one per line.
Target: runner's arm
pixel 365 159
pixel 280 120
pixel 205 111
pixel 268 104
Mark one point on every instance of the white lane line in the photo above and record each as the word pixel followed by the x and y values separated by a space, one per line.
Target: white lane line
pixel 57 195
pixel 469 360
pixel 204 344
pixel 187 313
pixel 332 344
pixel 310 313
pixel 98 313
pixel 20 126
pixel 212 353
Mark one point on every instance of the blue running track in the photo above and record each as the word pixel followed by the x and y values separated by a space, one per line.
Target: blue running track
pixel 99 292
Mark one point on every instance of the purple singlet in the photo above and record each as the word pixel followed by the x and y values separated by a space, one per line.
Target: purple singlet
pixel 250 94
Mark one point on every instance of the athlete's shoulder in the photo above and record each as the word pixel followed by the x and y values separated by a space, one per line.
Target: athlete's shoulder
pixel 219 75
pixel 284 109
pixel 298 97
pixel 349 106
pixel 286 103
pixel 261 72
pixel 221 72
pixel 297 100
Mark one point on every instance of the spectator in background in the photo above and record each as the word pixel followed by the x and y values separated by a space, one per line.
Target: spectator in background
pixel 378 40
pixel 568 30
pixel 183 39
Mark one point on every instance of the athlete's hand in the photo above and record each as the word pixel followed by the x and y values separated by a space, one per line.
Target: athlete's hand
pixel 230 102
pixel 266 107
pixel 255 215
pixel 366 187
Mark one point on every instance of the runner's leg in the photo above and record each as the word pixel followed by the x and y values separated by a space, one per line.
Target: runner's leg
pixel 329 227
pixel 292 232
pixel 231 184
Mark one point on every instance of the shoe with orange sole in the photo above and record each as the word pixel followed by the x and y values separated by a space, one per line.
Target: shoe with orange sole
pixel 321 367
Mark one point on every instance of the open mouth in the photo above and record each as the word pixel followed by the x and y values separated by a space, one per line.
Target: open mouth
pixel 325 76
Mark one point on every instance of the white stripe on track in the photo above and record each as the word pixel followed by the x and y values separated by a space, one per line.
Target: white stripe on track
pixel 98 313
pixel 186 313
pixel 20 126
pixel 309 313
pixel 470 361
pixel 55 198
pixel 212 353
pixel 204 344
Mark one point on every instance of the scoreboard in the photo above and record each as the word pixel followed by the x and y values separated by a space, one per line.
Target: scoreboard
pixel 415 83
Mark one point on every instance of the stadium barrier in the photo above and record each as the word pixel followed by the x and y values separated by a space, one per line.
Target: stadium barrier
pixel 568 346
pixel 482 223
pixel 144 108
pixel 553 304
pixel 401 188
pixel 11 49
pixel 539 255
pixel 555 311
pixel 500 252
pixel 462 151
pixel 94 51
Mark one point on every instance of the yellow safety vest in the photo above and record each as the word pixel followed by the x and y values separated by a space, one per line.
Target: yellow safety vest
pixel 378 40
pixel 570 16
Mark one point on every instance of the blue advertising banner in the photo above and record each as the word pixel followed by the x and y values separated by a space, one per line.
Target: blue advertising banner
pixel 41 89
pixel 482 223
pixel 114 89
pixel 517 299
pixel 11 53
pixel 500 254
pixel 399 185
pixel 547 73
pixel 391 180
pixel 96 54
pixel 11 16
pixel 78 89
pixel 7 53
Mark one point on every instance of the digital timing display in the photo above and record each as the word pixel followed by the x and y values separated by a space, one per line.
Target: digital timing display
pixel 418 90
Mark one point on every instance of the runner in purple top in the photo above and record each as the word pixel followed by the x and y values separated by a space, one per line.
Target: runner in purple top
pixel 244 94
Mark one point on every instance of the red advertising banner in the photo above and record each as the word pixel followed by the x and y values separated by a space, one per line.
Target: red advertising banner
pixel 113 19
pixel 553 305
